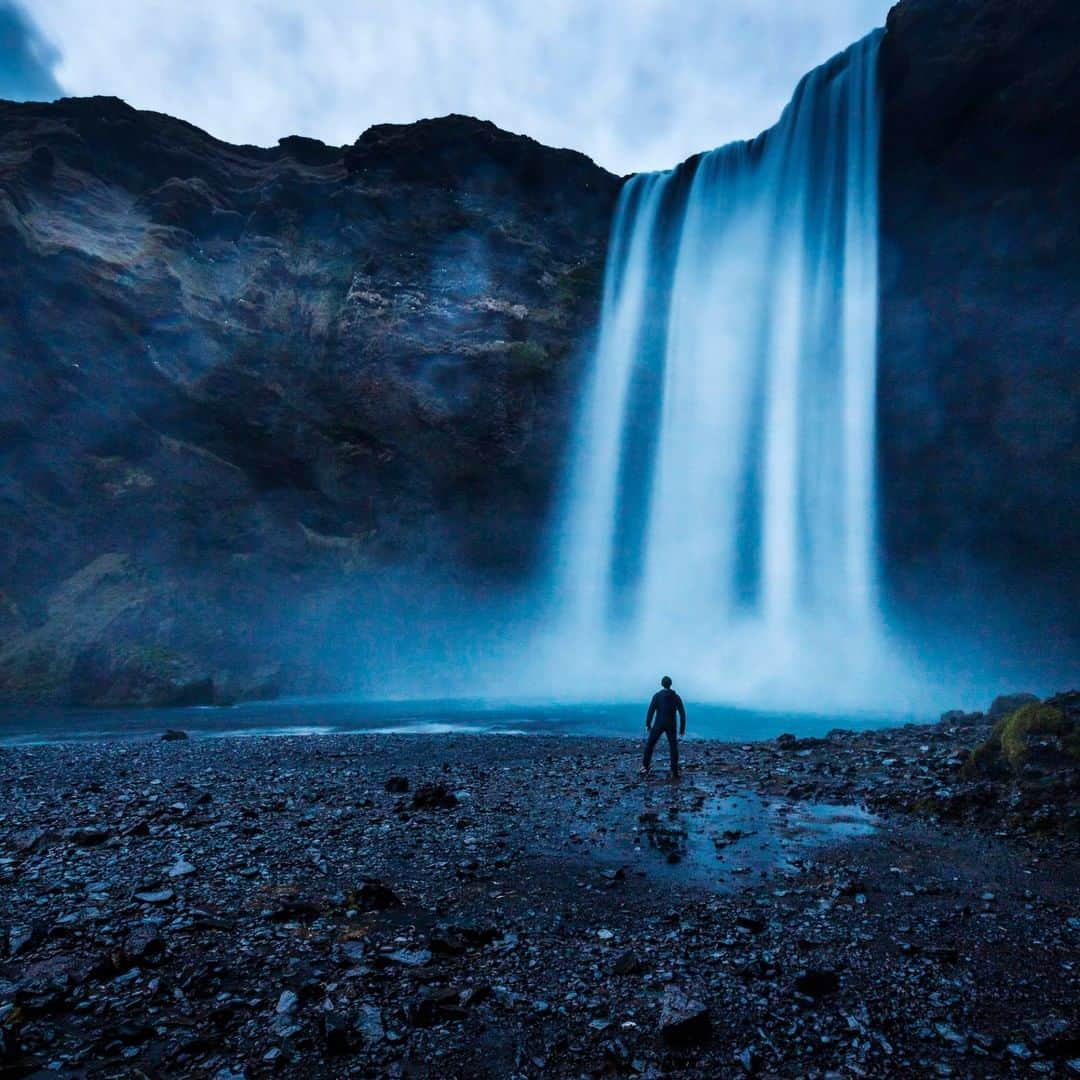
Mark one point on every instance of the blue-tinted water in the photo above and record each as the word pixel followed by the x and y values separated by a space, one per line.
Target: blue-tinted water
pixel 34 724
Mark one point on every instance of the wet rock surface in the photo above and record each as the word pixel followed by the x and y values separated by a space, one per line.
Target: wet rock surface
pixel 266 906
pixel 978 311
pixel 306 373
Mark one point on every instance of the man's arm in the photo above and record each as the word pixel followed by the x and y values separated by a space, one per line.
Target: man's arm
pixel 679 708
pixel 651 713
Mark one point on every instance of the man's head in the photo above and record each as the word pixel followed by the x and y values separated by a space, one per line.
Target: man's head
pixel 665 682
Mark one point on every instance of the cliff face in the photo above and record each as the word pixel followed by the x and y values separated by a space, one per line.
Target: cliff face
pixel 244 391
pixel 980 303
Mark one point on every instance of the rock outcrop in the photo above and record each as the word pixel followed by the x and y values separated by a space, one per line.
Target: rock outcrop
pixel 980 312
pixel 247 392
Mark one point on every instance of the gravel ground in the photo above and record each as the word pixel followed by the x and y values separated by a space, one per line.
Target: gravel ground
pixel 501 906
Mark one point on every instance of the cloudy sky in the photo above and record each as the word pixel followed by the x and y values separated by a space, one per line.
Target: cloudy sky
pixel 636 84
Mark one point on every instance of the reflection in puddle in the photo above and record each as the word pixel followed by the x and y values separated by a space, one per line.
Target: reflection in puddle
pixel 720 839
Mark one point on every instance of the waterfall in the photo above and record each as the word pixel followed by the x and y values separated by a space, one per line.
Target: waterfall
pixel 719 509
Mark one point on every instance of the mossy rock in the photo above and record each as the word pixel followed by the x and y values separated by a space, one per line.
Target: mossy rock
pixel 579 285
pixel 1009 745
pixel 531 358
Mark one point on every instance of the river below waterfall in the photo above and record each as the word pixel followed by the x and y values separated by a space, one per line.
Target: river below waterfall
pixel 35 724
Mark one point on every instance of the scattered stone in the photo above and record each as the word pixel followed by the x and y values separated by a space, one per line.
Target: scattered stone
pixel 816 983
pixel 90 836
pixel 336 1033
pixel 493 928
pixel 27 841
pixel 373 895
pixel 683 1020
pixel 181 868
pixel 433 797
pixel 952 1036
pixel 155 896
pixel 369 1023
pixel 410 957
pixel 144 944
pixel 397 785
pixel 750 1061
pixel 294 909
pixel 287 1003
pixel 751 923
pixel 435 1007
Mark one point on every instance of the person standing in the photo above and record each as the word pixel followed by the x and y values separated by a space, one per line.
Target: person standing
pixel 665 706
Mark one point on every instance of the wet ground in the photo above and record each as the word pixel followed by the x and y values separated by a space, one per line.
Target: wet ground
pixel 501 906
pixel 682 833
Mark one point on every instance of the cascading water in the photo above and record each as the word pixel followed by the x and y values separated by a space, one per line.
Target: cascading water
pixel 720 507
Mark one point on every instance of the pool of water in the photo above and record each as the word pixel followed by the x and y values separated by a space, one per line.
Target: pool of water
pixel 35 724
pixel 725 840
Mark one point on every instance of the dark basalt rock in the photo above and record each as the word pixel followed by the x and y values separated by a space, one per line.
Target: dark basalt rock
pixel 1004 704
pixel 683 1021
pixel 374 896
pixel 90 835
pixel 817 984
pixel 329 374
pixel 433 797
pixel 980 332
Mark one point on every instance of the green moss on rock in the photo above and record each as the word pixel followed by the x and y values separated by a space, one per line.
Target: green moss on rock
pixel 531 358
pixel 1009 744
pixel 579 285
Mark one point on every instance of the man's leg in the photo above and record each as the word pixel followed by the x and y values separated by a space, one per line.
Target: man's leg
pixel 650 743
pixel 673 749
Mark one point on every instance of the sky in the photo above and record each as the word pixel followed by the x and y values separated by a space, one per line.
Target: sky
pixel 635 84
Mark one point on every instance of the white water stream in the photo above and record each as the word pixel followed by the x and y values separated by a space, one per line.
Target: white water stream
pixel 719 516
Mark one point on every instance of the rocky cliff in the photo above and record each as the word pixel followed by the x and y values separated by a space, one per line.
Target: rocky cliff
pixel 250 397
pixel 258 406
pixel 980 305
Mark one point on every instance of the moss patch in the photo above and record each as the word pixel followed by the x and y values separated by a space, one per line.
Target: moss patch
pixel 579 285
pixel 1008 742
pixel 531 358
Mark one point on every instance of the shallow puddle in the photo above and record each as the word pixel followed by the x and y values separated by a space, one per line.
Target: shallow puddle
pixel 722 840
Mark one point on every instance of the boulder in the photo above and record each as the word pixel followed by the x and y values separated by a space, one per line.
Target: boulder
pixel 1004 704
pixel 434 797
pixel 373 895
pixel 684 1021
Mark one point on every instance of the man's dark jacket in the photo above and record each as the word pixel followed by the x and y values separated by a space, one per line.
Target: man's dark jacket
pixel 664 707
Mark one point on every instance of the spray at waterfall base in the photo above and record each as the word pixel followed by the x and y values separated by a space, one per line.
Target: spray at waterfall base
pixel 718 518
pixel 719 512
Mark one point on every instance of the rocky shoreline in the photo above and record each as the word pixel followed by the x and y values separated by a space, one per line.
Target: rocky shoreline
pixel 868 904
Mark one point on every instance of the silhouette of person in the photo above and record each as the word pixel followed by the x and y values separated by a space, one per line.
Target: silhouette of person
pixel 660 720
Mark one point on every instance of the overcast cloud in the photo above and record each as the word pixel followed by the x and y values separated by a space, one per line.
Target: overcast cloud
pixel 636 84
